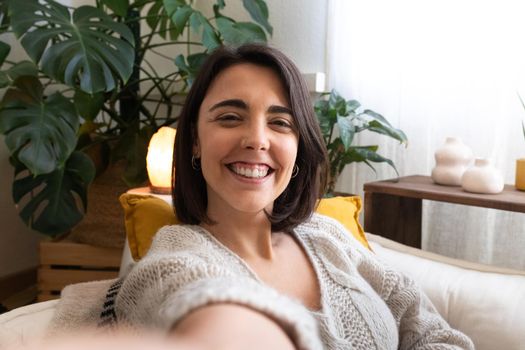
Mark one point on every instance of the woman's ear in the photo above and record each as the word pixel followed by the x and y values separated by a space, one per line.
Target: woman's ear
pixel 196 151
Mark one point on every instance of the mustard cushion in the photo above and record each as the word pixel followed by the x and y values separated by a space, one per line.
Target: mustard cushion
pixel 345 210
pixel 145 215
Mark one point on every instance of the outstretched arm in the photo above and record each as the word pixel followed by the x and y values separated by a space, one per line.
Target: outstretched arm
pixel 229 327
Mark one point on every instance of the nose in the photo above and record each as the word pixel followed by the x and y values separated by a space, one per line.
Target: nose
pixel 256 136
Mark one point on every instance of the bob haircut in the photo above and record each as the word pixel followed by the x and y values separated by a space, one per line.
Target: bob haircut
pixel 299 199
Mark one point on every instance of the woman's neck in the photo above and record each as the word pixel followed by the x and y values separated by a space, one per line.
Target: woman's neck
pixel 248 235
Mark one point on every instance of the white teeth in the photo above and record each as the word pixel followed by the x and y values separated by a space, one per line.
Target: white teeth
pixel 251 173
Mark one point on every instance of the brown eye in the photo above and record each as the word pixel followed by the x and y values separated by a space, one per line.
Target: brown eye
pixel 228 120
pixel 282 124
pixel 229 117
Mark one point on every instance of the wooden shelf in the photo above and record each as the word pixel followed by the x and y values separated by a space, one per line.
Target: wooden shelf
pixel 419 186
pixel 393 207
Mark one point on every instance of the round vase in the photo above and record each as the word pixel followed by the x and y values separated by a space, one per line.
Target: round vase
pixel 452 159
pixel 482 178
pixel 520 174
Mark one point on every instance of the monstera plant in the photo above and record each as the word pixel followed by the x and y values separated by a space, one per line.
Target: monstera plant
pixel 340 120
pixel 89 87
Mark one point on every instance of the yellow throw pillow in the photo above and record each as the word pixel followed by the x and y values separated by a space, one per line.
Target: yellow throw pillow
pixel 146 214
pixel 345 210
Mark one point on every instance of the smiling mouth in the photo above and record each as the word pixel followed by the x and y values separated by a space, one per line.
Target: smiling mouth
pixel 258 171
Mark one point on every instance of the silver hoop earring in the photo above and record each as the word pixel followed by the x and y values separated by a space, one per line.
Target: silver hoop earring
pixel 295 171
pixel 195 163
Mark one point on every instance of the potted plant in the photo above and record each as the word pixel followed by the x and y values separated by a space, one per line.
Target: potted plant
pixel 89 88
pixel 340 120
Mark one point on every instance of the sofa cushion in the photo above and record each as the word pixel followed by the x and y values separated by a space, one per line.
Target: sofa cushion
pixel 24 324
pixel 484 302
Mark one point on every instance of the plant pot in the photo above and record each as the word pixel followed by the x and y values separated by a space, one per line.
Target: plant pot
pixel 103 224
pixel 520 174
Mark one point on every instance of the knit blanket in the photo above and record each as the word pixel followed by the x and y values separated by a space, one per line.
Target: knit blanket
pixel 80 308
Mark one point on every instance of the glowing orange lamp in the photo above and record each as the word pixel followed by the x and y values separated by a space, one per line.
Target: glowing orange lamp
pixel 159 160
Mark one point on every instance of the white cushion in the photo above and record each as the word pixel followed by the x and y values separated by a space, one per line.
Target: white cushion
pixel 25 323
pixel 486 303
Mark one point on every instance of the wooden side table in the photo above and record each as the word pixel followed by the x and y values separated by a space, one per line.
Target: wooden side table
pixel 63 263
pixel 393 208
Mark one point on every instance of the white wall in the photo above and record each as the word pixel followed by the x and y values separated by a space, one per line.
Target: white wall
pixel 299 31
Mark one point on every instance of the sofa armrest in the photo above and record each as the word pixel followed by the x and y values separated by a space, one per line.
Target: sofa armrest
pixel 484 302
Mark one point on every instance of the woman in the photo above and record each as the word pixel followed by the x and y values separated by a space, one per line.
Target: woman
pixel 252 258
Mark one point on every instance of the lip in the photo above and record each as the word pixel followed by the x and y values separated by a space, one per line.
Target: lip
pixel 250 163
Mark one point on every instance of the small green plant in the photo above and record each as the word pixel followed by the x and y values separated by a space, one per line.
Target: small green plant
pixel 340 120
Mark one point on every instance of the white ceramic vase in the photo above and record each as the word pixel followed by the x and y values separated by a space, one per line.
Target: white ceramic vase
pixel 482 178
pixel 452 159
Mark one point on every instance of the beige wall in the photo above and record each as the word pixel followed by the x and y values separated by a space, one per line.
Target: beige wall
pixel 299 31
pixel 18 244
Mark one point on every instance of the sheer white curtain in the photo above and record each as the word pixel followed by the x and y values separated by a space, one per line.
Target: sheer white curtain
pixel 438 69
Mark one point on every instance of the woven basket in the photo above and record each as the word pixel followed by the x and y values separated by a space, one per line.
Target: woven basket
pixel 103 225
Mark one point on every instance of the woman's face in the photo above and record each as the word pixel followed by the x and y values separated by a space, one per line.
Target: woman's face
pixel 246 140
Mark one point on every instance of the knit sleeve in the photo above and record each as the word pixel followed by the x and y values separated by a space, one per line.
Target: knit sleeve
pixel 166 286
pixel 419 324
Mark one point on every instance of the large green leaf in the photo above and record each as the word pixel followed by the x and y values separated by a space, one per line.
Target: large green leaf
pixel 4 18
pixel 189 70
pixel 259 12
pixel 326 116
pixel 238 33
pixel 210 39
pixel 19 69
pixel 338 103
pixel 346 130
pixel 367 154
pixel 133 147
pixel 86 48
pixel 179 13
pixel 87 105
pixel 120 7
pixel 48 201
pixel 352 106
pixel 377 116
pixel 380 128
pixel 41 131
pixel 158 19
pixel 4 51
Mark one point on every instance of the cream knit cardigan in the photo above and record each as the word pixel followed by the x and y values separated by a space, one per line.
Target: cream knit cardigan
pixel 365 304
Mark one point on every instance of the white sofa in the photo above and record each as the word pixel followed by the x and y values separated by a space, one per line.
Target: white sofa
pixel 488 304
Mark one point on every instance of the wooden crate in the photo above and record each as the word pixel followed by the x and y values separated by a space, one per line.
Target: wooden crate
pixel 63 263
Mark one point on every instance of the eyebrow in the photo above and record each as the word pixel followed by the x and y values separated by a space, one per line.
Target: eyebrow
pixel 229 103
pixel 242 105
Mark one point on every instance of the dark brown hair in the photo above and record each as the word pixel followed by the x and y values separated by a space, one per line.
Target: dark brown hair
pixel 298 200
